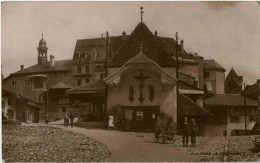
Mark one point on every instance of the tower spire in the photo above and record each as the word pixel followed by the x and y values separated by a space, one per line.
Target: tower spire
pixel 141 14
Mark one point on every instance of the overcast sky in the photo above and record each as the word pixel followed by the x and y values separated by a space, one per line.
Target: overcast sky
pixel 228 32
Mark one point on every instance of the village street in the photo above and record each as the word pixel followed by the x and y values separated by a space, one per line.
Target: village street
pixel 131 146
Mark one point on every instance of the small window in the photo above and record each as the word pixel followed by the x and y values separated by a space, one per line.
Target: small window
pixel 27 82
pixel 38 83
pixel 56 75
pixel 14 83
pixel 87 80
pixel 78 69
pixel 78 82
pixel 9 101
pixel 63 109
pixel 206 74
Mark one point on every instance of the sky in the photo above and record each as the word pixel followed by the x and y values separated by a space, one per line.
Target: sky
pixel 228 32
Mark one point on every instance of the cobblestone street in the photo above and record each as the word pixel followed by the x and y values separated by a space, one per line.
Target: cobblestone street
pixel 47 144
pixel 243 146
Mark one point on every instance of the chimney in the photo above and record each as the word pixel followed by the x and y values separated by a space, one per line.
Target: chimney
pixel 258 81
pixel 196 53
pixel 52 61
pixel 102 35
pixel 182 46
pixel 22 67
pixel 155 33
pixel 123 35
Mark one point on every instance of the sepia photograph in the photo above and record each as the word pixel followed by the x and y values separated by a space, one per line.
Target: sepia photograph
pixel 130 81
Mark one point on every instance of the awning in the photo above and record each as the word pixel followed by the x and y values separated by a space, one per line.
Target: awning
pixel 98 86
pixel 189 108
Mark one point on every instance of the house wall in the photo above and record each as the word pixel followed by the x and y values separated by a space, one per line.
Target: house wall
pixel 220 78
pixel 190 69
pixel 200 71
pixel 8 110
pixel 165 99
pixel 221 120
pixel 170 71
pixel 28 91
pixel 216 78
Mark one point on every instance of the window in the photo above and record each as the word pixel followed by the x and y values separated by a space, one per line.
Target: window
pixel 88 69
pixel 27 82
pixel 63 109
pixel 102 75
pixel 14 83
pixel 78 69
pixel 38 83
pixel 78 82
pixel 56 75
pixel 206 74
pixel 65 74
pixel 9 101
pixel 87 80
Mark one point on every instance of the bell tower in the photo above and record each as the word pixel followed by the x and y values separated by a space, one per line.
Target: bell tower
pixel 42 51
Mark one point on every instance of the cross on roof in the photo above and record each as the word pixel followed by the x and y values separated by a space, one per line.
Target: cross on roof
pixel 141 14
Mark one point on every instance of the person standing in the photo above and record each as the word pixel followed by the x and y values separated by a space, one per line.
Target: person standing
pixel 46 119
pixel 71 119
pixel 66 119
pixel 193 132
pixel 157 128
pixel 185 132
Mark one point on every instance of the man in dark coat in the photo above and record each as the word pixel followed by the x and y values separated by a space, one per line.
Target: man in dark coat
pixel 71 119
pixel 157 128
pixel 185 132
pixel 193 132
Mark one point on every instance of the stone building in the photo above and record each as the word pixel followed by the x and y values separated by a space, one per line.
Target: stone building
pixel 85 80
pixel 49 74
pixel 213 77
pixel 142 80
pixel 17 107
pixel 229 112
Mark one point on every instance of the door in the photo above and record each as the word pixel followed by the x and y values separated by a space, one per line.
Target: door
pixel 36 116
pixel 142 118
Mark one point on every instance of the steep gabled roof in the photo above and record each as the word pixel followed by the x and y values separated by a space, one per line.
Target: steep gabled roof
pixel 62 65
pixel 151 48
pixel 98 45
pixel 232 75
pixel 212 65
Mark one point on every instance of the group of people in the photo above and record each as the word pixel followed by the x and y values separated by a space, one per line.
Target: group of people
pixel 187 129
pixel 68 119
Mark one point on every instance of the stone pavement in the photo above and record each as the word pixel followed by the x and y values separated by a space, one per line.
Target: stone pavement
pixel 132 147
